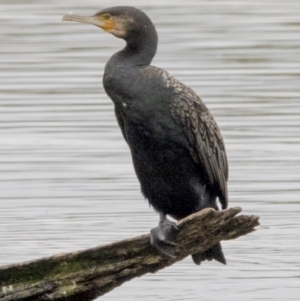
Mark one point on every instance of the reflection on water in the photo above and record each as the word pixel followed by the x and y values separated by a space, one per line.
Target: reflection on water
pixel 66 178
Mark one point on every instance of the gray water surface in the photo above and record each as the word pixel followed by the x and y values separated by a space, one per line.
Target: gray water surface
pixel 67 181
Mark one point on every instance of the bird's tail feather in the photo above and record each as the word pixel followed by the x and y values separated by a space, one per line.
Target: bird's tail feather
pixel 214 252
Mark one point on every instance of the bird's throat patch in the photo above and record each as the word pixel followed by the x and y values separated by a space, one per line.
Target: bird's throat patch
pixel 108 25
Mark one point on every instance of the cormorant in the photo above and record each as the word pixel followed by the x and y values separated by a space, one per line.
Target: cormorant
pixel 176 146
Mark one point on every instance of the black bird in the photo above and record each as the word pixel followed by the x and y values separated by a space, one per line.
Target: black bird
pixel 176 146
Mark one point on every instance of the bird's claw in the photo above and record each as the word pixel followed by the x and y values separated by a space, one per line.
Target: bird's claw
pixel 163 237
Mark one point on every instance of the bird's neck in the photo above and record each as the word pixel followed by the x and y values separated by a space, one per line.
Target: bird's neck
pixel 141 49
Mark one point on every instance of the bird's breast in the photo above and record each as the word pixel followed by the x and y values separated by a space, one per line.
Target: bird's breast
pixel 143 102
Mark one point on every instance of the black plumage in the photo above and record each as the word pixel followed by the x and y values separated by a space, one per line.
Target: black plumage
pixel 177 148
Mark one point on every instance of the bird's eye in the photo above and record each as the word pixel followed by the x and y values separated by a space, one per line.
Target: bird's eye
pixel 106 16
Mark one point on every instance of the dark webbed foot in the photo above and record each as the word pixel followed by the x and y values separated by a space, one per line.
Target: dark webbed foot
pixel 163 237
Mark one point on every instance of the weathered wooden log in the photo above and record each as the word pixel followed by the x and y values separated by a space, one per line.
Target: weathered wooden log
pixel 86 275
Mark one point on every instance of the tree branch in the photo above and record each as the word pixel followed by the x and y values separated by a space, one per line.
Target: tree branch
pixel 88 274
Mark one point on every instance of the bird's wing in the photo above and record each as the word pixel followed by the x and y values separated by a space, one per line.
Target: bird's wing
pixel 205 141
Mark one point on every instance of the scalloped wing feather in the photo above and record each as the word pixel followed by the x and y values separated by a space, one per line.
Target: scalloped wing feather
pixel 205 141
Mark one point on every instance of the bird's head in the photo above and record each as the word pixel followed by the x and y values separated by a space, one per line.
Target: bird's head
pixel 121 21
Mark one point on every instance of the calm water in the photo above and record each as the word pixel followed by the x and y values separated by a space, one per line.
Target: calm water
pixel 66 178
